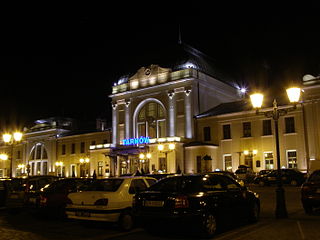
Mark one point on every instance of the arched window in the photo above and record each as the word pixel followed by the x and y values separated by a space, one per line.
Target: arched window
pixel 151 121
pixel 38 160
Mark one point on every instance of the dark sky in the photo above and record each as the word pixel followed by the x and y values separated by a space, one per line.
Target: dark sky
pixel 63 62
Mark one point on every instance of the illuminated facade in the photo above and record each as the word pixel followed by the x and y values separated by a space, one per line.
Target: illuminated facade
pixel 53 147
pixel 160 104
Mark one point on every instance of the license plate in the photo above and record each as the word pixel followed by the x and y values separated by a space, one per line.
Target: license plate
pixel 153 203
pixel 83 214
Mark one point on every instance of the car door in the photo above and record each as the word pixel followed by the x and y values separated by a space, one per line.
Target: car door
pixel 236 196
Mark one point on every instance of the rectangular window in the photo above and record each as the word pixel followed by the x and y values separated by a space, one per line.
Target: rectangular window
pixel 246 129
pixel 18 154
pixel 82 147
pixel 142 129
pixel 44 168
pixel 266 127
pixel 226 131
pixel 161 128
pixel 63 149
pixel 38 152
pixel 207 134
pixel 292 159
pixel 38 168
pixel 289 124
pixel 227 162
pixel 73 148
pixel 268 160
pixel 73 170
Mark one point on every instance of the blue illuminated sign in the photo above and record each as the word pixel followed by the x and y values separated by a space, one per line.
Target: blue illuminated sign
pixel 134 141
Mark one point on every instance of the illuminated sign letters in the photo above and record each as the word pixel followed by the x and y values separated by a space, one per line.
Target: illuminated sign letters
pixel 134 141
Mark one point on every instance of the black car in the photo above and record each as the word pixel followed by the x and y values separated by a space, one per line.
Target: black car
pixel 25 192
pixel 288 176
pixel 53 198
pixel 4 191
pixel 310 192
pixel 207 201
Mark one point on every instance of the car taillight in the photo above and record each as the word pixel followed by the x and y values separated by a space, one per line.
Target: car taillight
pixel 43 200
pixel 102 202
pixel 181 202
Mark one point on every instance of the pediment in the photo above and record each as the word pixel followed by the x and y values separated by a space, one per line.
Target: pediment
pixel 152 71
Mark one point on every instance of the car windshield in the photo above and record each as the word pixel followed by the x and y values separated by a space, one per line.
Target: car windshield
pixel 315 177
pixel 241 170
pixel 189 184
pixel 108 185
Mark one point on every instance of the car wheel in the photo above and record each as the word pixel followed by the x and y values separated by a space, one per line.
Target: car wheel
pixel 126 221
pixel 209 225
pixel 307 208
pixel 254 212
pixel 293 183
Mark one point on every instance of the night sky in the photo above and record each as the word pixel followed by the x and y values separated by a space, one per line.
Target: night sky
pixel 58 62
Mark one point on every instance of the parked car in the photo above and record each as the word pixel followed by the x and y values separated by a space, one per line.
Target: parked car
pixel 310 192
pixel 245 174
pixel 53 198
pixel 206 201
pixel 288 176
pixel 159 176
pixel 25 192
pixel 4 191
pixel 108 200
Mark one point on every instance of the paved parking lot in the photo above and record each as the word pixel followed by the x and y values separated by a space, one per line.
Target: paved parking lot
pixel 26 225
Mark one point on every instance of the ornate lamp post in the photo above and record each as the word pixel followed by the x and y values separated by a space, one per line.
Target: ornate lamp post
pixel 11 139
pixel 256 100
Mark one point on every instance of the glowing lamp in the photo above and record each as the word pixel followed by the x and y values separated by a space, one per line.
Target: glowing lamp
pixel 3 156
pixel 245 152
pixel 160 147
pixel 256 100
pixel 293 94
pixel 172 146
pixel 6 137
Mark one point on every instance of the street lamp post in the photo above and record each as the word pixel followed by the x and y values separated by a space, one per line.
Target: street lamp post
pixel 11 139
pixel 275 113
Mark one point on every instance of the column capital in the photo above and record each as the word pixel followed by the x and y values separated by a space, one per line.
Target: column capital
pixel 170 94
pixel 114 105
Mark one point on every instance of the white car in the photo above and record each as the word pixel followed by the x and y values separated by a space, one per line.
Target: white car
pixel 108 200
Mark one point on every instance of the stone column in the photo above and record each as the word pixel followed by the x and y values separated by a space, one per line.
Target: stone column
pixel 188 114
pixel 172 114
pixel 114 124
